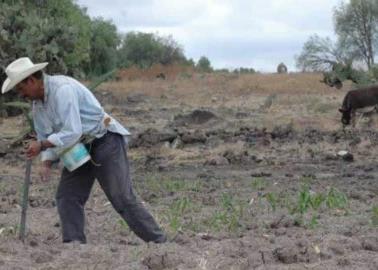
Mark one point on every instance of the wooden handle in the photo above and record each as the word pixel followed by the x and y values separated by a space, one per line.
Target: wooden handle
pixel 25 199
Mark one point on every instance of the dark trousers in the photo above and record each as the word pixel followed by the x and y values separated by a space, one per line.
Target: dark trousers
pixel 109 153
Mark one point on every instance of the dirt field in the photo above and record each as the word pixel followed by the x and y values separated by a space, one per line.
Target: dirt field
pixel 242 172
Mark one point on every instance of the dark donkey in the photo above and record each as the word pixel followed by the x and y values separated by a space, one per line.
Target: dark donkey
pixel 357 99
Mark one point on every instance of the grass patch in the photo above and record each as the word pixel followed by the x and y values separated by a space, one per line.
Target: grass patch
pixel 272 200
pixel 307 204
pixel 259 183
pixel 10 230
pixel 229 216
pixel 374 216
pixel 336 199
pixel 161 184
pixel 177 211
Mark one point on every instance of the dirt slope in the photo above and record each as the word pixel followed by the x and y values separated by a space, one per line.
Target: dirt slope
pixel 241 171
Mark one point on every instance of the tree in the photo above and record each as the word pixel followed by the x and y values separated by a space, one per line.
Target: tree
pixel 65 16
pixel 52 31
pixel 171 51
pixel 243 70
pixel 333 59
pixel 321 54
pixel 281 68
pixel 103 49
pixel 46 31
pixel 145 49
pixel 356 25
pixel 204 64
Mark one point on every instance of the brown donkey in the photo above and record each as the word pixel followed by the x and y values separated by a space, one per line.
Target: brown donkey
pixel 358 99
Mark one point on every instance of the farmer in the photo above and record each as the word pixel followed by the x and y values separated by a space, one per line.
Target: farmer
pixel 64 111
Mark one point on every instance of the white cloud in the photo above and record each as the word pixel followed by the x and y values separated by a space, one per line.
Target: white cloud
pixel 231 33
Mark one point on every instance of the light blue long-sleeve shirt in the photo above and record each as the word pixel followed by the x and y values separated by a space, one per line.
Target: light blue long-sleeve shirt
pixel 68 111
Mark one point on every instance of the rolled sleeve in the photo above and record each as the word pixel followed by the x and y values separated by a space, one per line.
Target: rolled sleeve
pixel 41 128
pixel 49 154
pixel 55 140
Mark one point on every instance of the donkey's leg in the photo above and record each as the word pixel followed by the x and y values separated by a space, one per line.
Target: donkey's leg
pixel 360 118
pixel 353 117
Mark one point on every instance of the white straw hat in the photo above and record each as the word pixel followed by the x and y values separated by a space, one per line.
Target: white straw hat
pixel 19 70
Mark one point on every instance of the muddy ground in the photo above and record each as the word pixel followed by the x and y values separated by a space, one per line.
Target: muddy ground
pixel 239 179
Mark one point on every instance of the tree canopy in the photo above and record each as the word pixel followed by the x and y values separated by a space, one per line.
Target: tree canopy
pixel 320 54
pixel 103 51
pixel 356 28
pixel 61 33
pixel 204 64
pixel 356 24
pixel 145 49
pixel 54 31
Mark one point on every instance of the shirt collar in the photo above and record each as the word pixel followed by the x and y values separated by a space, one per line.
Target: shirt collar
pixel 46 80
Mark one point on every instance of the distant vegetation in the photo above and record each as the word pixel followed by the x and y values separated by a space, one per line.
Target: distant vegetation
pixel 281 68
pixel 356 28
pixel 146 49
pixel 61 33
pixel 204 64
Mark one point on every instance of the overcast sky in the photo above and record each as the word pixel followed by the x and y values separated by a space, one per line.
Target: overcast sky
pixel 256 34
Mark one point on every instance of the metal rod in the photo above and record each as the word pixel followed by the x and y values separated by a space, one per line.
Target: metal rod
pixel 25 199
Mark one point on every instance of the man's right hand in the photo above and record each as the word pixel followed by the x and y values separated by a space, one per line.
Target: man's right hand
pixel 33 149
pixel 45 170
